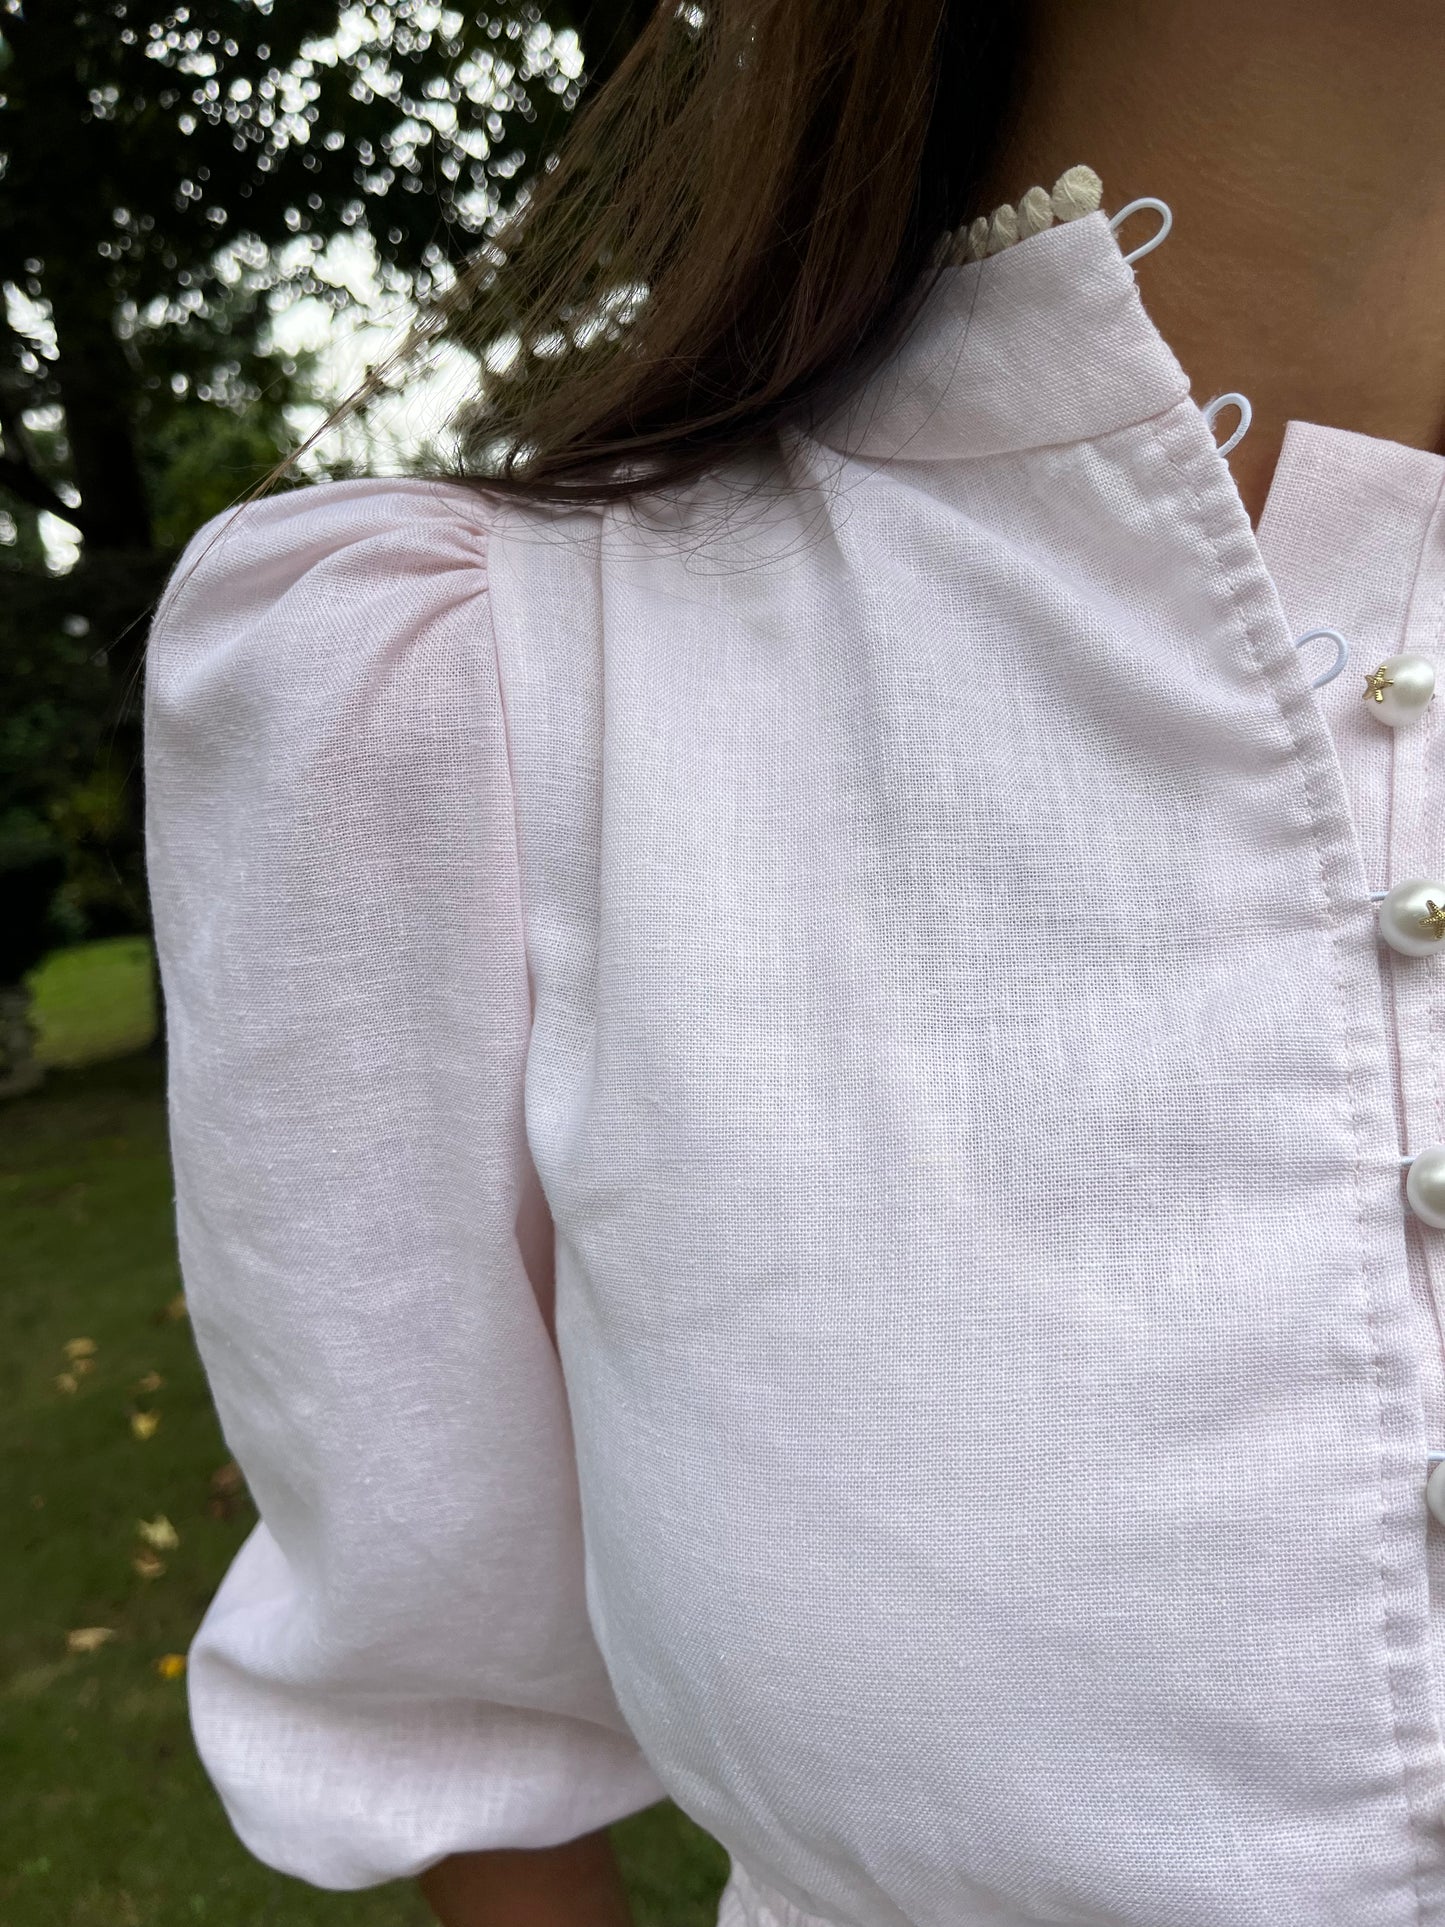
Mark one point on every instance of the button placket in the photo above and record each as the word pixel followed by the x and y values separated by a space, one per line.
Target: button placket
pixel 1416 988
pixel 1412 914
pixel 1354 534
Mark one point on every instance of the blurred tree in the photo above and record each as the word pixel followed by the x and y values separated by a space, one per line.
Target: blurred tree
pixel 168 174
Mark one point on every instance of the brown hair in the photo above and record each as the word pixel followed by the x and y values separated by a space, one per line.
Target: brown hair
pixel 731 230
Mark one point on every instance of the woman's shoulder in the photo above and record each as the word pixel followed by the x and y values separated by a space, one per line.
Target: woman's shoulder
pixel 373 533
pixel 355 609
pixel 297 594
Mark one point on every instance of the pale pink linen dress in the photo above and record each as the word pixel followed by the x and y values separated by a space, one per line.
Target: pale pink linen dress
pixel 900 909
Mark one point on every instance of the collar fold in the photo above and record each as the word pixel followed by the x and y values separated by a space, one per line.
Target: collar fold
pixel 1044 342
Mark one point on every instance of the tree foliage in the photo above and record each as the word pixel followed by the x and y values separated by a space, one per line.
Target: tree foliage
pixel 168 175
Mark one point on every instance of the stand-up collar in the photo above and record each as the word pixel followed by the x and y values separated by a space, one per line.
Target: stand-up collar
pixel 1044 342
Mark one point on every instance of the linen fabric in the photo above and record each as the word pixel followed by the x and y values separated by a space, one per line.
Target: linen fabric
pixel 787 1116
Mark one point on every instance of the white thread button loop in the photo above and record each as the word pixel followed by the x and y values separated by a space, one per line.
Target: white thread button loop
pixel 1342 653
pixel 1166 221
pixel 1211 410
pixel 1399 691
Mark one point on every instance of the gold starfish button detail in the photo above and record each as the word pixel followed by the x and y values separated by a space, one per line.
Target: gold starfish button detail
pixel 1434 918
pixel 1376 683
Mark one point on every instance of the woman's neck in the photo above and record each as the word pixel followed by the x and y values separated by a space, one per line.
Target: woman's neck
pixel 1301 145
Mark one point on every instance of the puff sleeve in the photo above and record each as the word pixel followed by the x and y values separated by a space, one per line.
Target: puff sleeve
pixel 399 1663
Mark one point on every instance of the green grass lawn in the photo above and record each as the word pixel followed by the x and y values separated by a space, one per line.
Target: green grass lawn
pixel 94 1001
pixel 106 1818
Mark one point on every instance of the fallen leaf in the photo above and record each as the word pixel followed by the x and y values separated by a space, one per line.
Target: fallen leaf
pixel 80 1366
pixel 85 1639
pixel 159 1534
pixel 144 1424
pixel 79 1348
pixel 67 1382
pixel 148 1566
pixel 171 1665
pixel 228 1490
pixel 177 1306
pixel 152 1382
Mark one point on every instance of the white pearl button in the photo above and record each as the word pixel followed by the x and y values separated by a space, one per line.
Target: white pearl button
pixel 1399 689
pixel 1425 1185
pixel 1435 1491
pixel 1412 917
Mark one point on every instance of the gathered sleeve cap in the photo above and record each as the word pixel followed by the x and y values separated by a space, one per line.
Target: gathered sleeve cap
pixel 399 1663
